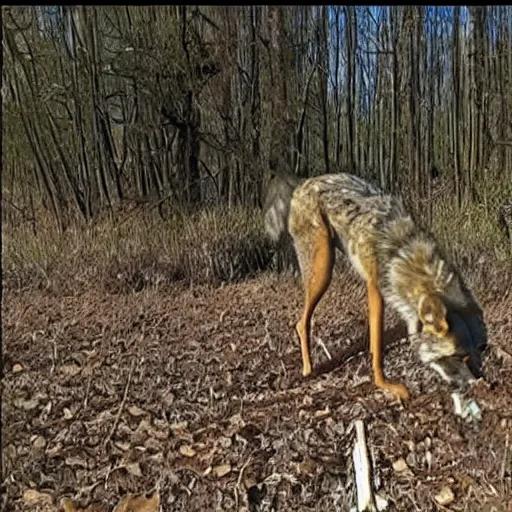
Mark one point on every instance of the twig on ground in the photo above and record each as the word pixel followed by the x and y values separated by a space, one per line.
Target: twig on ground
pixel 240 476
pixel 365 498
pixel 505 459
pixel 268 337
pixel 322 344
pixel 87 390
pixel 121 406
pixel 53 356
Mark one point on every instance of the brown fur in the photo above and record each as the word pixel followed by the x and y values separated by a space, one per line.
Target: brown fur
pixel 401 264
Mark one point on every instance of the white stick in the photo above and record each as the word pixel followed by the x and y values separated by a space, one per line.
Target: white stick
pixel 365 498
pixel 322 344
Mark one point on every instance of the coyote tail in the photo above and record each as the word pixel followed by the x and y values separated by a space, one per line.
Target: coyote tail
pixel 276 206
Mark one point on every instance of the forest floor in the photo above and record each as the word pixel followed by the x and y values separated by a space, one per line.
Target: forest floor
pixel 197 392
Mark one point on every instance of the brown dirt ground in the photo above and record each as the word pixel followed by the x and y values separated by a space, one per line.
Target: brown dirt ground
pixel 197 392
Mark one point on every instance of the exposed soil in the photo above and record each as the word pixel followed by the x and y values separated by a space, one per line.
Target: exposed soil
pixel 197 392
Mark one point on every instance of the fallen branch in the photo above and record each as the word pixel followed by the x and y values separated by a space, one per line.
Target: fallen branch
pixel 121 406
pixel 362 468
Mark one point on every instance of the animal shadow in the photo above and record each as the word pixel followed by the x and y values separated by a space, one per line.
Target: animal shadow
pixel 342 355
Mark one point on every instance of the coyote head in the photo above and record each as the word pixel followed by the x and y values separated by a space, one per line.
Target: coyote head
pixel 452 340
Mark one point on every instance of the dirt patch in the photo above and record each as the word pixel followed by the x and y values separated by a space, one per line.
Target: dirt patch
pixel 197 393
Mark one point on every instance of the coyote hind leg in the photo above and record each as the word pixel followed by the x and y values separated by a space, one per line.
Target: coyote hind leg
pixel 315 252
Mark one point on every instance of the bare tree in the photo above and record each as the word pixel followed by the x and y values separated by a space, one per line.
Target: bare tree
pixel 187 105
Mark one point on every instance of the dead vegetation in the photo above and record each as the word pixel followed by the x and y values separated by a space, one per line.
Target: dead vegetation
pixel 135 250
pixel 145 349
pixel 126 371
pixel 196 392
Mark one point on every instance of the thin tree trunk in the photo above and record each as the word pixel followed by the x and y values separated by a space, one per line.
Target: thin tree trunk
pixel 457 119
pixel 350 43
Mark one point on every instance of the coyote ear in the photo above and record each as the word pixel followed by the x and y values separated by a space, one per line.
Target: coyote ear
pixel 432 314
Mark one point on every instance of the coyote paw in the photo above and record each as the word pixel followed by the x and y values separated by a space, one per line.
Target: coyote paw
pixel 398 389
pixel 306 370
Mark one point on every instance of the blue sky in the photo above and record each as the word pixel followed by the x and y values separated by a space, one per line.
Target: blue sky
pixel 367 38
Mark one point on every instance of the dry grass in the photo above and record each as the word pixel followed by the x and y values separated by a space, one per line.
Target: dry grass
pixel 210 246
pixel 470 233
pixel 128 252
pixel 473 231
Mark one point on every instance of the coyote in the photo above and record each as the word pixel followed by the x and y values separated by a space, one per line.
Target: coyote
pixel 401 263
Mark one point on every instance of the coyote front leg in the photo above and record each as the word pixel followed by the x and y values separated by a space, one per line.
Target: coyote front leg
pixel 316 259
pixel 376 314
